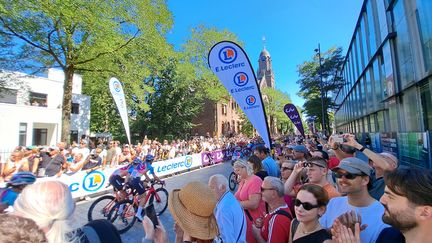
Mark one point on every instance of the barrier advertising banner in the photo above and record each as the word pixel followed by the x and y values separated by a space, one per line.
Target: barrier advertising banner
pixel 291 111
pixel 213 157
pixel 119 98
pixel 231 65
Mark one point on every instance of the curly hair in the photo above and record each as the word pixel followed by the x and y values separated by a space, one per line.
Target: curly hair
pixel 14 229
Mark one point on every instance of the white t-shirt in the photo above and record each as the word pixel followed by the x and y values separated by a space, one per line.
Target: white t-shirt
pixel 370 215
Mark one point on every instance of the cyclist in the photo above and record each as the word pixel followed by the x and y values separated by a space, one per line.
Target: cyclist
pixel 118 177
pixel 14 187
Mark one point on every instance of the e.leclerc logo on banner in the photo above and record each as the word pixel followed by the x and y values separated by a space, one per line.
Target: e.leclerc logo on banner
pixel 117 86
pixel 227 54
pixel 188 161
pixel 250 100
pixel 241 79
pixel 93 181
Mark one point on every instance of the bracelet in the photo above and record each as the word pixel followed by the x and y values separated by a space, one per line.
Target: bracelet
pixel 362 148
pixel 336 147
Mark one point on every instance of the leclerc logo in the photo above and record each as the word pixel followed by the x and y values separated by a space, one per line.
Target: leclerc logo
pixel 227 54
pixel 93 181
pixel 188 161
pixel 117 86
pixel 241 79
pixel 250 100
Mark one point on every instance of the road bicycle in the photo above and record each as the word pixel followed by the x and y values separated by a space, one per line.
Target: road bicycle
pixel 124 219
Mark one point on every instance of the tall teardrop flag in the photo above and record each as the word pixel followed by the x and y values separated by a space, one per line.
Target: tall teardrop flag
pixel 291 111
pixel 119 98
pixel 231 65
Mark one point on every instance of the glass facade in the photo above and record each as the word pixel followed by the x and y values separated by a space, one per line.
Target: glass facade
pixel 424 18
pixel 385 90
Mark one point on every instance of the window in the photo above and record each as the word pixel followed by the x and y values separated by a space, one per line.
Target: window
pixel 371 28
pixel 8 96
pixel 378 81
pixel 411 110
pixel 75 108
pixel 22 134
pixel 389 86
pixel 424 18
pixel 382 19
pixel 74 135
pixel 38 99
pixel 403 45
pixel 426 103
pixel 40 136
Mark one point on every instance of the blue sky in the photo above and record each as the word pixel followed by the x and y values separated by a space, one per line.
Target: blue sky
pixel 292 28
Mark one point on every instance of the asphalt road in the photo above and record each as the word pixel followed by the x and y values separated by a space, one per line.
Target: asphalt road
pixel 136 233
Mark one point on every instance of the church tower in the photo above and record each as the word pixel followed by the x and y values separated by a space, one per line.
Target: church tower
pixel 265 71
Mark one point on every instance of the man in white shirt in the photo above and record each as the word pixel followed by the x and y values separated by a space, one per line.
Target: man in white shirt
pixel 353 178
pixel 228 212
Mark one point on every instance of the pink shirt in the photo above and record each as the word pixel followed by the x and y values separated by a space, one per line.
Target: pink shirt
pixel 249 187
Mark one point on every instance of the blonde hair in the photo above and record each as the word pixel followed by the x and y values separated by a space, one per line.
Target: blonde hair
pixel 50 205
pixel 244 163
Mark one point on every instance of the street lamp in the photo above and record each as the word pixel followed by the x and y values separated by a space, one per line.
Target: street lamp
pixel 318 51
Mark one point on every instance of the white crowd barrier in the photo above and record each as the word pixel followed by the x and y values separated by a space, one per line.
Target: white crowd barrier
pixel 82 184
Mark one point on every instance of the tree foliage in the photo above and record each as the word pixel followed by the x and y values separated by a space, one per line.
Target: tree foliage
pixel 310 86
pixel 82 36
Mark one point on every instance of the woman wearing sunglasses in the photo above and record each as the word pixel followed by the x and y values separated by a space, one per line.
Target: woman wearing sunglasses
pixel 310 204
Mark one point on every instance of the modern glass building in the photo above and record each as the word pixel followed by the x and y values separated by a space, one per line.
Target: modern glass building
pixel 388 79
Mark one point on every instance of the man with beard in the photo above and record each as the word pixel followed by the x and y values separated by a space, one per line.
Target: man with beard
pixel 407 201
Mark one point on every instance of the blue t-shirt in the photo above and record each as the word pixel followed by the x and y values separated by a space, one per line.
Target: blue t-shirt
pixel 370 215
pixel 271 167
pixel 8 197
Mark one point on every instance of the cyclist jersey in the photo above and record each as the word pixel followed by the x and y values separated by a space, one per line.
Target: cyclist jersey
pixel 138 170
pixel 8 197
pixel 149 167
pixel 122 171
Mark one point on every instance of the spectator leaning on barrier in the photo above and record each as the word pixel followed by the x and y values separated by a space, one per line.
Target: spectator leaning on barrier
pixel 228 211
pixel 269 164
pixel 353 177
pixel 275 227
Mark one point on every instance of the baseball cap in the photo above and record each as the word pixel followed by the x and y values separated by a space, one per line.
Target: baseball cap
pixel 301 148
pixel 354 166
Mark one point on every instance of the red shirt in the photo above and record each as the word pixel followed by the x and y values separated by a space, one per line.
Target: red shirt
pixel 276 227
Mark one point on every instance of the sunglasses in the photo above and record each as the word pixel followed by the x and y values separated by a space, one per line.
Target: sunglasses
pixel 307 206
pixel 286 168
pixel 310 165
pixel 266 189
pixel 348 176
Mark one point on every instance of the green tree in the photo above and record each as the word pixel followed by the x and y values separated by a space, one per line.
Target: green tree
pixel 76 35
pixel 274 102
pixel 309 72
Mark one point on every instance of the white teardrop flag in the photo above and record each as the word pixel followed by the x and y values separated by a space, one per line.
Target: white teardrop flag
pixel 119 98
pixel 231 65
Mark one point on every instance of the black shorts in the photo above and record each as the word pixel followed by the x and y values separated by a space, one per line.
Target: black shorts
pixel 117 182
pixel 138 185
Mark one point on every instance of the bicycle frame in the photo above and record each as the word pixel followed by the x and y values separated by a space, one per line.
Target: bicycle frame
pixel 149 192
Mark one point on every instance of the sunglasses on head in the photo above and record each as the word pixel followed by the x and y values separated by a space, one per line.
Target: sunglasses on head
pixel 348 176
pixel 266 189
pixel 307 206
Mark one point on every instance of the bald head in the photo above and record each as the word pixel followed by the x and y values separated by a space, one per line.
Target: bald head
pixel 219 185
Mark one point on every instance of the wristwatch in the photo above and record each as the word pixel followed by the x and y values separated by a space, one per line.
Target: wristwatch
pixel 362 148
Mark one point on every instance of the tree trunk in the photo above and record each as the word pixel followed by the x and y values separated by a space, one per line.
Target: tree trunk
pixel 67 104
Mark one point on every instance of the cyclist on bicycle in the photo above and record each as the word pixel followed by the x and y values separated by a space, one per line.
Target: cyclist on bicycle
pixel 14 187
pixel 118 177
pixel 139 169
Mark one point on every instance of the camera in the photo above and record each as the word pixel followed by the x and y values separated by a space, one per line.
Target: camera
pixel 338 139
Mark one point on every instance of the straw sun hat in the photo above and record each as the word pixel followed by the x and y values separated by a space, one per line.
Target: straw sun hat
pixel 192 208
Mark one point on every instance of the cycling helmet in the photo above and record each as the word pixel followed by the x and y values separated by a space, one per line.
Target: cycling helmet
pixel 137 161
pixel 22 178
pixel 149 158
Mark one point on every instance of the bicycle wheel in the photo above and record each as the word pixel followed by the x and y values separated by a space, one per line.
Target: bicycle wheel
pixel 101 207
pixel 125 220
pixel 161 202
pixel 232 181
